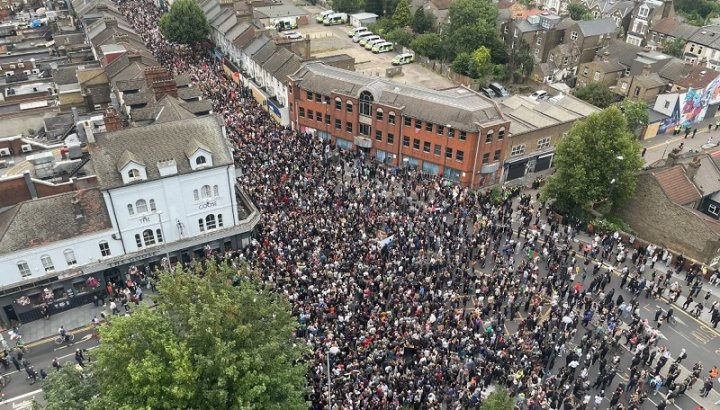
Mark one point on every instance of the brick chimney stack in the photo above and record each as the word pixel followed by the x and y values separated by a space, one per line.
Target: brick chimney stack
pixel 112 120
pixel 161 82
pixel 647 70
pixel 692 168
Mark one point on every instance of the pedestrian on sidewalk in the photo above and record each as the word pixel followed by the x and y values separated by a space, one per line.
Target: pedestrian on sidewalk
pixel 687 132
pixel 56 364
pixel 694 132
pixel 79 357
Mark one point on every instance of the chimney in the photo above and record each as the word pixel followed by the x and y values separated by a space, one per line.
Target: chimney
pixel 647 70
pixel 134 57
pixel 161 82
pixel 112 120
pixel 89 134
pixel 110 23
pixel 606 56
pixel 30 184
pixel 692 168
pixel 672 157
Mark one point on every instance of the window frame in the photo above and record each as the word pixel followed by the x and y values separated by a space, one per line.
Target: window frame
pixel 23 268
pixel 104 247
pixel 70 258
pixel 47 263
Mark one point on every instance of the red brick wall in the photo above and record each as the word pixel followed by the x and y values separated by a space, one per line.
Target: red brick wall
pixel 13 191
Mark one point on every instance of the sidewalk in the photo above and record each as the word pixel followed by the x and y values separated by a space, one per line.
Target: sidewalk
pixel 659 146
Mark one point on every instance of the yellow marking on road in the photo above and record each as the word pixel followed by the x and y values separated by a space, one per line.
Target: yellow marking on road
pixel 662 144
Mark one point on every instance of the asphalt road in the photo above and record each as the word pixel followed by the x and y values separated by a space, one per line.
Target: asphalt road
pixel 20 393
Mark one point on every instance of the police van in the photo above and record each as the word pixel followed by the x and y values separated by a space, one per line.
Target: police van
pixel 321 17
pixel 362 35
pixel 383 47
pixel 364 40
pixel 335 19
pixel 357 30
pixel 405 58
pixel 372 43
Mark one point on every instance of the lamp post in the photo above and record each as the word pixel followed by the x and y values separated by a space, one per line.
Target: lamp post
pixel 332 351
pixel 614 181
pixel 667 144
pixel 162 232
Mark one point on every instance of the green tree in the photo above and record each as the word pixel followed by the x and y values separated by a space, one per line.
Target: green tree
pixel 461 64
pixel 697 12
pixel 636 114
pixel 480 63
pixel 216 341
pixel 578 12
pixel 402 16
pixel 185 23
pixel 596 94
pixel 375 6
pixel 428 45
pixel 400 36
pixel 498 400
pixel 596 162
pixel 520 63
pixel 472 24
pixel 347 6
pixel 423 21
pixel 674 47
pixel 382 26
pixel 67 390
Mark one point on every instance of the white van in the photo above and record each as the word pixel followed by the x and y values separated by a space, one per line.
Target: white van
pixel 320 17
pixel 335 19
pixel 357 30
pixel 371 43
pixel 383 47
pixel 362 35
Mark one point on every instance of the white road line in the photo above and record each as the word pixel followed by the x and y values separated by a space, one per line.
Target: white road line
pixel 22 396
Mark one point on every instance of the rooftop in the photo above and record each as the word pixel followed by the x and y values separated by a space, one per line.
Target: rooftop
pixel 676 185
pixel 528 115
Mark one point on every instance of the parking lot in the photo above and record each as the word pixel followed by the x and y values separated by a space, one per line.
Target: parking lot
pixel 332 40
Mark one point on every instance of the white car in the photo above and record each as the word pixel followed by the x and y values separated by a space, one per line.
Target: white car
pixel 293 35
pixel 539 95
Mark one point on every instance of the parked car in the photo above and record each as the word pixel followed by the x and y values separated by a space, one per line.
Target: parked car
pixel 539 95
pixel 293 35
pixel 405 58
pixel 487 92
pixel 499 89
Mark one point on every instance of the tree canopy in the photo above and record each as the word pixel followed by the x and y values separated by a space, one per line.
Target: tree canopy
pixel 596 94
pixel 423 21
pixel 402 16
pixel 596 162
pixel 185 23
pixel 498 400
pixel 674 47
pixel 347 6
pixel 697 12
pixel 218 341
pixel 636 114
pixel 579 11
pixel 472 25
pixel 428 44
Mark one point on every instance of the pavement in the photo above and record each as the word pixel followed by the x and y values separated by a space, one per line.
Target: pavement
pixel 659 146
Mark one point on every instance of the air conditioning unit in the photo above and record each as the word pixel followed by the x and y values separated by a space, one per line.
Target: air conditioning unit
pixel 9 73
pixel 27 72
pixel 4 152
pixel 26 148
pixel 12 66
pixel 21 65
pixel 35 71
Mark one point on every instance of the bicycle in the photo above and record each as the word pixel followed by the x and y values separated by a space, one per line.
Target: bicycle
pixel 69 337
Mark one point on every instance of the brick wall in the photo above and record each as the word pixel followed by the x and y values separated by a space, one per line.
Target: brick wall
pixel 13 191
pixel 658 220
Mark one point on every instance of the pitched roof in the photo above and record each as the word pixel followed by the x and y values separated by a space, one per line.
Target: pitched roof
pixel 624 52
pixel 198 107
pixel 676 185
pixel 158 142
pixel 54 218
pixel 708 36
pixel 172 109
pixel 597 27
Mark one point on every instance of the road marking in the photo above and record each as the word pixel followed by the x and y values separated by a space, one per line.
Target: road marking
pixel 22 396
pixel 27 404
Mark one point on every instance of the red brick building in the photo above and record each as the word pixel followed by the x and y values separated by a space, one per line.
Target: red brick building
pixel 456 133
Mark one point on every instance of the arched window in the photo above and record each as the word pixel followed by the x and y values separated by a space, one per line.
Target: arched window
pixel 501 133
pixel 210 222
pixel 131 210
pixel 152 205
pixel 205 191
pixel 366 100
pixel 134 173
pixel 219 221
pixel 24 269
pixel 216 190
pixel 138 240
pixel 348 106
pixel 148 237
pixel 200 160
pixel 391 117
pixel 201 224
pixel 338 103
pixel 489 137
pixel 70 257
pixel 379 114
pixel 47 263
pixel 141 206
pixel 158 232
pixel 196 194
pixel 104 248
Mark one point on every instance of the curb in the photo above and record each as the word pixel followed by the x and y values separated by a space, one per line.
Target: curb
pixel 52 338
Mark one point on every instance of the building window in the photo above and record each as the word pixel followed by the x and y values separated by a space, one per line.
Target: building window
pixel 644 11
pixel 538 41
pixel 440 130
pixel 327 100
pixel 309 95
pixel 131 211
pixel 489 137
pixel 310 114
pixel 428 126
pixel 713 209
pixel 70 257
pixel 348 106
pixel 390 138
pixel 448 152
pixel 205 191
pixel 573 35
pixel 301 111
pixel 486 158
pixel 133 173
pixel 152 205
pixel 378 135
pixel 216 190
pixel 327 119
pixel 437 149
pixel 201 224
pixel 418 124
pixel 451 133
pixel 585 72
pixel 596 77
pixel 463 135
pixel 338 104
pixel 200 160
pixel 496 155
pixel 104 248
pixel 408 121
pixel 667 104
pixel 348 126
pixel 406 141
pixel 47 263
pixel 141 206
pixel 148 237
pixel 338 124
pixel 416 143
pixel 158 232
pixel 24 269
pixel 426 146
pixel 318 97
pixel 543 143
pixel 219 221
pixel 364 129
pixel 517 150
pixel 459 155
pixel 391 118
pixel 210 222
pixel 379 114
pixel 366 100
pixel 138 240
pixel 318 116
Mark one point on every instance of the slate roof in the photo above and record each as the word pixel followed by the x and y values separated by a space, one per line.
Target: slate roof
pixel 54 218
pixel 256 45
pixel 289 68
pixel 688 75
pixel 138 98
pixel 198 107
pixel 676 185
pixel 624 52
pixel 158 142
pixel 708 36
pixel 277 60
pixel 596 27
pixel 172 109
pixel 460 108
pixel 264 53
pixel 64 75
pixel 189 93
pixel 130 85
pixel 183 80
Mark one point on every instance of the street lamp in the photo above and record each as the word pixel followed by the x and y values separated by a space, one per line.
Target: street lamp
pixel 332 351
pixel 162 232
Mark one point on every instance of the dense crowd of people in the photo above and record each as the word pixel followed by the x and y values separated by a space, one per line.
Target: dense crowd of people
pixel 413 281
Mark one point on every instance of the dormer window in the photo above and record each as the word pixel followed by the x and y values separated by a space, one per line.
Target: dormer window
pixel 200 161
pixel 644 11
pixel 199 155
pixel 134 174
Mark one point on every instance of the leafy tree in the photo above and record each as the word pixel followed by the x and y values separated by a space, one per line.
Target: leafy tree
pixel 347 6
pixel 578 12
pixel 498 400
pixel 218 341
pixel 390 6
pixel 461 64
pixel 400 36
pixel 596 94
pixel 480 64
pixel 375 6
pixel 520 63
pixel 636 114
pixel 596 162
pixel 428 45
pixel 185 23
pixel 382 26
pixel 423 21
pixel 472 24
pixel 402 16
pixel 697 11
pixel 67 390
pixel 674 47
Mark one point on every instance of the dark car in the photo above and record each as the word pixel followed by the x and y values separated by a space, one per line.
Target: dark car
pixel 487 92
pixel 499 89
